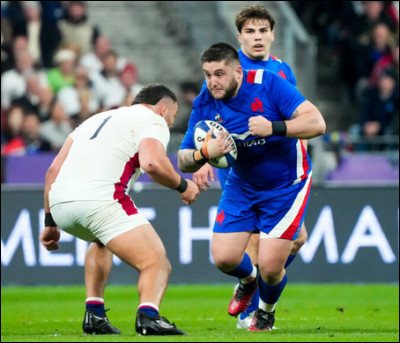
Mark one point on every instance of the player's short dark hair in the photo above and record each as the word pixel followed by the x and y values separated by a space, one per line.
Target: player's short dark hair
pixel 255 11
pixel 220 52
pixel 153 93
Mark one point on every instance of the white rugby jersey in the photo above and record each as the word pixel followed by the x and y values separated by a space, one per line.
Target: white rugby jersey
pixel 103 161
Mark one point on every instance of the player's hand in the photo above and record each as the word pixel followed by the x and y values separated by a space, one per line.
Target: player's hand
pixel 191 193
pixel 201 177
pixel 260 126
pixel 218 146
pixel 50 237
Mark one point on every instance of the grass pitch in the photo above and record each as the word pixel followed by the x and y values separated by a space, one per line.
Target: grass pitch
pixel 305 313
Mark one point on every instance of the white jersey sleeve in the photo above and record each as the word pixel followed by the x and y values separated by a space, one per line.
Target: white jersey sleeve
pixel 103 160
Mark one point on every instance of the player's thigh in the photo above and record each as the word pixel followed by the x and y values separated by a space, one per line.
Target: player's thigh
pixel 139 247
pixel 253 247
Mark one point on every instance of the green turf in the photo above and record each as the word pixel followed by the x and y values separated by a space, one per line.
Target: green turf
pixel 305 313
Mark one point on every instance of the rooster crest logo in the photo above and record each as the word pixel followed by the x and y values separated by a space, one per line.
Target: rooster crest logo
pixel 217 118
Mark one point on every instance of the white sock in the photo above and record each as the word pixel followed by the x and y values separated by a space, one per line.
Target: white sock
pixel 253 274
pixel 266 307
pixel 149 304
pixel 95 299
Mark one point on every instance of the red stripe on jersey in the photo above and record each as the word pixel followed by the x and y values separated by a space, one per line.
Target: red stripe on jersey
pixel 306 166
pixel 120 187
pixel 273 57
pixel 251 75
pixel 289 233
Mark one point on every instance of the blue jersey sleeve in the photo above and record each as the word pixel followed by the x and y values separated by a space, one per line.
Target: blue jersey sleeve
pixel 289 74
pixel 284 95
pixel 187 142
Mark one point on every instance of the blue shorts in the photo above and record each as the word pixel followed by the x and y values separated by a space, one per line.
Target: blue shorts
pixel 277 213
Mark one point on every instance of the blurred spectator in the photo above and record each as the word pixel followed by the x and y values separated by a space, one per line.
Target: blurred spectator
pixel 375 47
pixel 12 142
pixel 93 60
pixel 13 11
pixel 379 107
pixel 107 84
pixel 188 91
pixel 32 10
pixel 63 74
pixel 79 101
pixel 77 29
pixel 50 36
pixel 129 81
pixel 57 128
pixel 13 82
pixel 46 97
pixel 7 59
pixel 34 143
pixel 390 60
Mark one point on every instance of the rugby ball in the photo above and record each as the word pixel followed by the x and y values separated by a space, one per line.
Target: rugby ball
pixel 199 134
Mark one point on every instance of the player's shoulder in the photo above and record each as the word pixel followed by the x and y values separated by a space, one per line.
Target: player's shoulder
pixel 259 76
pixel 277 61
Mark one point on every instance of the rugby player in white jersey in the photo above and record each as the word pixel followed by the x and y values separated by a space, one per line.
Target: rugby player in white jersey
pixel 86 194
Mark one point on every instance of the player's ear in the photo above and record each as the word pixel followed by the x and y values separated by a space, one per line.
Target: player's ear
pixel 239 70
pixel 239 37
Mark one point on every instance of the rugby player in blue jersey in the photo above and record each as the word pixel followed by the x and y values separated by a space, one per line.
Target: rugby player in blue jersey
pixel 255 26
pixel 268 186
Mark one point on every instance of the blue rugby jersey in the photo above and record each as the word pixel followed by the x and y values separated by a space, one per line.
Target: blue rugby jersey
pixel 273 64
pixel 266 162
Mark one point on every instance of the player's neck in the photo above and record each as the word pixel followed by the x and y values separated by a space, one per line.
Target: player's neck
pixel 258 58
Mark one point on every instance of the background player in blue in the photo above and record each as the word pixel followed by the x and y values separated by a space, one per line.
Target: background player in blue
pixel 268 186
pixel 255 26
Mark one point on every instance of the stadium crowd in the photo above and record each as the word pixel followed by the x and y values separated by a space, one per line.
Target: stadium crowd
pixel 58 68
pixel 362 38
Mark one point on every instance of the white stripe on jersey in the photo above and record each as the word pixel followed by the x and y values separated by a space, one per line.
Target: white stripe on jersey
pixel 259 76
pixel 299 167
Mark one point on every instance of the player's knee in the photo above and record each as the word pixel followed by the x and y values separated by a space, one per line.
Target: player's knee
pixel 271 275
pixel 226 263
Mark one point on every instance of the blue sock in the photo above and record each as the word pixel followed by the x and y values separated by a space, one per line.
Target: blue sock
pixel 253 305
pixel 270 294
pixel 149 310
pixel 290 260
pixel 96 307
pixel 244 269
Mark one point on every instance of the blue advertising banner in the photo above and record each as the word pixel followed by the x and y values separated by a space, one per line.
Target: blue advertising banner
pixel 353 236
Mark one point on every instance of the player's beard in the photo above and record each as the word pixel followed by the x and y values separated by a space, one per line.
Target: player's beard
pixel 229 91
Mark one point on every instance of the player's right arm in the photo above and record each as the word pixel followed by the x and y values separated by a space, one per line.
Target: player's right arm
pixel 51 234
pixel 203 175
pixel 155 162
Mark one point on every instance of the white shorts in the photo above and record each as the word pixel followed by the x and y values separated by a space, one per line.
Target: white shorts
pixel 90 220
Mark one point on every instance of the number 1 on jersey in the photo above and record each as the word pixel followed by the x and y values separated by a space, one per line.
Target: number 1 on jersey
pixel 100 127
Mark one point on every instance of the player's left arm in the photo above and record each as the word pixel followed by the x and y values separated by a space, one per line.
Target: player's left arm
pixel 51 234
pixel 306 122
